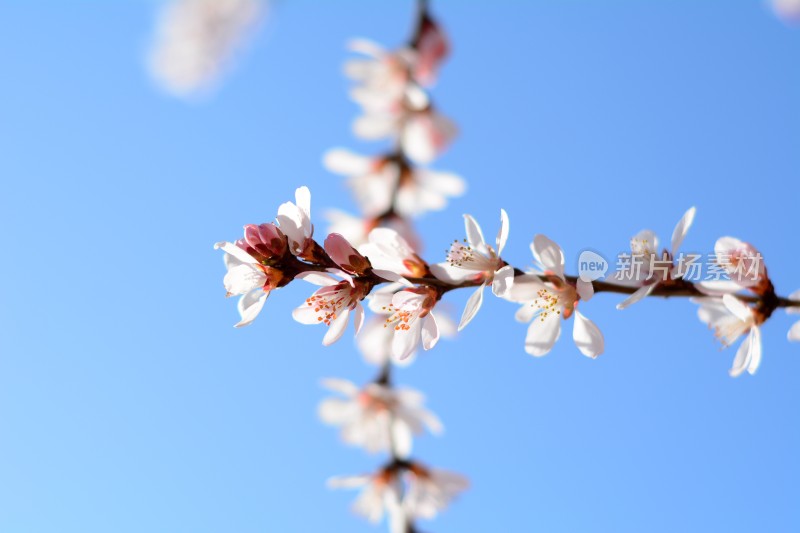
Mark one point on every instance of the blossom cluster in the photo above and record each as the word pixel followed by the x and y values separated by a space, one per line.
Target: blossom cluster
pixel 391 88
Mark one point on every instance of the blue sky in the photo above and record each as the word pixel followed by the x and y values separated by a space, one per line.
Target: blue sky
pixel 128 403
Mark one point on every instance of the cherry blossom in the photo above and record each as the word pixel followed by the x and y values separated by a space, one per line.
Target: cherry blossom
pixel 383 184
pixel 374 341
pixel 410 317
pixel 377 417
pixel 379 492
pixel 794 331
pixel 474 260
pixel 549 299
pixel 391 254
pixel 332 303
pixel 426 134
pixel 730 318
pixel 430 490
pixel 656 267
pixel 248 278
pixel 356 229
pixel 295 222
pixel 196 39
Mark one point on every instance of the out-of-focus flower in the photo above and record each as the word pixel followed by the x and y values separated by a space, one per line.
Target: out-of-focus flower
pixel 545 302
pixel 196 39
pixel 426 134
pixel 431 490
pixel 794 331
pixel 432 49
pixel 379 492
pixel 730 318
pixel 377 417
pixel 248 278
pixel 295 222
pixel 474 260
pixel 656 267
pixel 788 10
pixel 356 229
pixel 331 304
pixel 410 317
pixel 382 184
pixel 422 492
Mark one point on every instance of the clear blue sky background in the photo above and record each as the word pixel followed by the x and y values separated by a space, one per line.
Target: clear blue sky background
pixel 129 404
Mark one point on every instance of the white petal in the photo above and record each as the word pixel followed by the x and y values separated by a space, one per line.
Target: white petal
pixel 305 314
pixel 388 275
pixel 718 287
pixel 542 335
pixel 366 47
pixel 302 197
pixel 737 307
pixel 430 332
pixel 742 359
pixel 317 278
pixel 502 235
pixel 472 307
pixel 450 273
pixel 549 254
pixel 585 290
pixel 250 306
pixel 587 336
pixel 525 313
pixel 235 251
pixel 474 233
pixel 794 332
pixel 345 162
pixel 681 229
pixel 348 482
pixel 525 289
pixel 358 318
pixel 641 293
pixel 405 342
pixel 402 439
pixel 755 350
pixel 342 386
pixel 503 281
pixel 644 243
pixel 336 329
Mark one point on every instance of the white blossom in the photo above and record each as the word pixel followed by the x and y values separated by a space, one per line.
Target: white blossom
pixel 431 490
pixel 377 417
pixel 196 39
pixel 656 266
pixel 409 316
pixel 476 261
pixel 730 318
pixel 332 303
pixel 248 278
pixel 295 221
pixel 547 301
pixel 379 492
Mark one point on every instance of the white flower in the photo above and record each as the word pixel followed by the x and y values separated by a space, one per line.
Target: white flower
pixel 196 38
pixel 426 134
pixel 656 267
pixel 474 260
pixel 375 339
pixel 248 278
pixel 410 317
pixel 295 221
pixel 383 77
pixel 377 417
pixel 392 256
pixel 431 490
pixel 356 229
pixel 379 492
pixel 384 184
pixel 331 304
pixel 546 302
pixel 794 331
pixel 730 318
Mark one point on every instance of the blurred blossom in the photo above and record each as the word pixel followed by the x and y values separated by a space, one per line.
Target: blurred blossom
pixel 377 417
pixel 730 318
pixel 788 10
pixel 195 40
